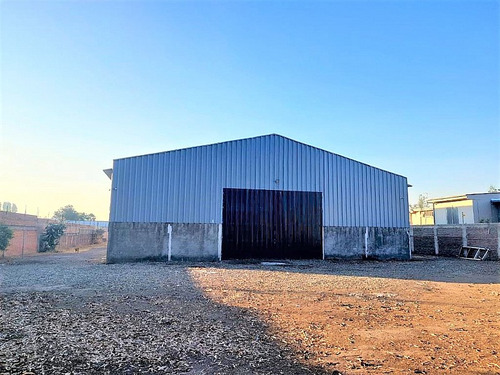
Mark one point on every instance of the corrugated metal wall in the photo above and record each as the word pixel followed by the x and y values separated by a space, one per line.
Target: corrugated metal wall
pixel 185 186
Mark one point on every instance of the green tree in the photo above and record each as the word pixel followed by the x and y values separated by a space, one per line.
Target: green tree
pixel 90 217
pixel 422 202
pixel 68 212
pixel 51 236
pixel 6 235
pixel 97 236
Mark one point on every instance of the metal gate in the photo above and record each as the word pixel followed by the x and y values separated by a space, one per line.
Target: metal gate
pixel 271 224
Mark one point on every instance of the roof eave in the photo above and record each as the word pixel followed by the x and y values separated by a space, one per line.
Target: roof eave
pixel 448 199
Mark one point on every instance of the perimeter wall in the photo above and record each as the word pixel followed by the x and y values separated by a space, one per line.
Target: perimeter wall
pixel 28 229
pixel 446 240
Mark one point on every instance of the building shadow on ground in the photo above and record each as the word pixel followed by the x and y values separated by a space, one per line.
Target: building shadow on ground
pixel 422 268
pixel 130 318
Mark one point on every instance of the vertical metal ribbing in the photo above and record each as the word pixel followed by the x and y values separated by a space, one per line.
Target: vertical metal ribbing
pixel 186 185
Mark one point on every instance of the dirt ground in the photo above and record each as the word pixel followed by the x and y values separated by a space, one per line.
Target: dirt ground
pixel 360 324
pixel 71 313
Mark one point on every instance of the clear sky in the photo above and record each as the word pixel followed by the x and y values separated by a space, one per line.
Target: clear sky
pixel 407 86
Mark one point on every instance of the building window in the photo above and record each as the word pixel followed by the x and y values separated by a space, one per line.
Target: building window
pixel 452 215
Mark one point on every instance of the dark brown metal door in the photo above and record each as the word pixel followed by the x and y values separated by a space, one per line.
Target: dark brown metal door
pixel 271 224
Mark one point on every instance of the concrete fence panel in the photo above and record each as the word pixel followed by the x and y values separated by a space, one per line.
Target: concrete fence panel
pixel 449 240
pixel 423 240
pixel 446 240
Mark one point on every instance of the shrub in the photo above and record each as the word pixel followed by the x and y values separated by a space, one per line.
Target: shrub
pixel 97 236
pixel 50 237
pixel 6 235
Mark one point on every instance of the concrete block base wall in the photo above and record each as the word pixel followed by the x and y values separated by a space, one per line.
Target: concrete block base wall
pixel 200 242
pixel 162 241
pixel 366 243
pixel 423 240
pixel 446 240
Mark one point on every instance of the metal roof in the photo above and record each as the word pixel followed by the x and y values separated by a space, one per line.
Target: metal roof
pixel 256 137
pixel 448 199
pixel 460 197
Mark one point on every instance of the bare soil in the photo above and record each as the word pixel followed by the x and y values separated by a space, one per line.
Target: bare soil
pixel 71 313
pixel 360 324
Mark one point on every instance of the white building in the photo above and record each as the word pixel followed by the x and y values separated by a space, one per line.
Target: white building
pixel 467 209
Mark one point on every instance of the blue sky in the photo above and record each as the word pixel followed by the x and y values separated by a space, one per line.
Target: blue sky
pixel 407 86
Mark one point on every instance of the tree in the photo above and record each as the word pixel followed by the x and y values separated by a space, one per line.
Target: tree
pixel 51 236
pixel 422 203
pixel 6 235
pixel 97 236
pixel 9 207
pixel 493 189
pixel 89 217
pixel 68 212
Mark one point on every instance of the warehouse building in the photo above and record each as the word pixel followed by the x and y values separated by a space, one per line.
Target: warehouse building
pixel 267 197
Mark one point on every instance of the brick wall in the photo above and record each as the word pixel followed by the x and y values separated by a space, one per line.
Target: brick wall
pixel 16 248
pixel 10 218
pixel 25 228
pixel 76 235
pixel 28 228
pixel 451 237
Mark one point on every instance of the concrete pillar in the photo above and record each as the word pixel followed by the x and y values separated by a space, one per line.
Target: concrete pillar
pixel 498 242
pixel 323 242
pixel 366 243
pixel 464 235
pixel 411 244
pixel 219 243
pixel 436 243
pixel 169 251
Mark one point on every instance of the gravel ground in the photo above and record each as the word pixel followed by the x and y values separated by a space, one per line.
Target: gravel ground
pixel 71 313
